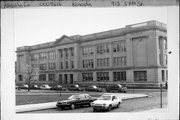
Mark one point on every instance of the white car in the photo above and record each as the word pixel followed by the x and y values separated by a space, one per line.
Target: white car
pixel 45 87
pixel 106 102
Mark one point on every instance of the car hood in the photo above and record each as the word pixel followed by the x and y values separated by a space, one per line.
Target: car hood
pixel 101 101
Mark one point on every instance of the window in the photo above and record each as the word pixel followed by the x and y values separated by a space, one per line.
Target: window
pixel 119 46
pixel 43 56
pixel 52 66
pixel 20 77
pixel 162 42
pixel 140 76
pixel 66 53
pixel 72 52
pixel 88 63
pixel 162 75
pixel 87 51
pixel 102 76
pixel 119 61
pixel 51 77
pixel 61 53
pixel 103 62
pixel 102 48
pixel 42 66
pixel 61 65
pixel 119 76
pixel 52 55
pixel 34 57
pixel 72 64
pixel 87 76
pixel 42 77
pixel 66 64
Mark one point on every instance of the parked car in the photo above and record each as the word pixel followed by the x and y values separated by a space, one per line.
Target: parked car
pixel 45 87
pixel 17 87
pixel 58 87
pixel 116 88
pixel 75 87
pixel 106 102
pixel 93 88
pixel 23 87
pixel 75 101
pixel 34 87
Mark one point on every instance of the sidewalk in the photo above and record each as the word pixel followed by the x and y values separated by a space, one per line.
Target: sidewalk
pixel 164 109
pixel 41 106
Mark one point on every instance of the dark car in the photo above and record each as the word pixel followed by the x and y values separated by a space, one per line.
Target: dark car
pixel 35 87
pixel 58 87
pixel 18 88
pixel 116 88
pixel 93 88
pixel 76 101
pixel 75 87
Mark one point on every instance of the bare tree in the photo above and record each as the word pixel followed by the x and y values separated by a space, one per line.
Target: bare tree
pixel 31 72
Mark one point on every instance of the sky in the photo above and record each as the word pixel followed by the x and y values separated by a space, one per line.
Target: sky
pixel 40 25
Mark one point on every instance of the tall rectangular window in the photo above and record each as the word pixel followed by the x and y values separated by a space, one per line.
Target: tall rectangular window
pixel 66 64
pixel 51 77
pixel 42 77
pixel 162 75
pixel 42 66
pixel 140 76
pixel 52 55
pixel 72 52
pixel 61 53
pixel 52 66
pixel 72 64
pixel 61 65
pixel 66 53
pixel 34 57
pixel 20 77
pixel 43 56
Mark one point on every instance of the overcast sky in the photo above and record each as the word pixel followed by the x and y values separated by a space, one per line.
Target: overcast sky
pixel 40 25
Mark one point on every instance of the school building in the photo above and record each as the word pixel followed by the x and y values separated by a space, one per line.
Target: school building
pixel 135 54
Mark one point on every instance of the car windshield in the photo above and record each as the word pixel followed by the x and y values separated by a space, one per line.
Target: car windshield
pixel 73 97
pixel 94 87
pixel 105 98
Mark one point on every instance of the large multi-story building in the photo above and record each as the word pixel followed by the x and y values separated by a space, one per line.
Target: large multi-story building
pixel 134 54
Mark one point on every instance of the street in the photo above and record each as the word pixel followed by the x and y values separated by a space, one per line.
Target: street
pixel 132 105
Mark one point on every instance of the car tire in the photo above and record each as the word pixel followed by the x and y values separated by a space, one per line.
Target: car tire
pixel 118 105
pixel 72 106
pixel 109 108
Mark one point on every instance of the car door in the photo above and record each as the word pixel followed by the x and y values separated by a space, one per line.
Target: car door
pixel 80 100
pixel 114 101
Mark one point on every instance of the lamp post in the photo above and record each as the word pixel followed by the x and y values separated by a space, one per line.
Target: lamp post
pixel 161 95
